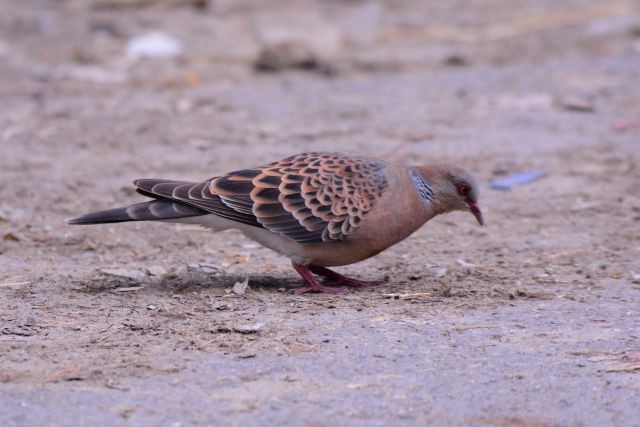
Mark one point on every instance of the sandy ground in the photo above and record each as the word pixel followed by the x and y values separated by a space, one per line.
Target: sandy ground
pixel 533 320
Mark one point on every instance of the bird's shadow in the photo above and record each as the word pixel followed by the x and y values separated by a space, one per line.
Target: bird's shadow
pixel 188 282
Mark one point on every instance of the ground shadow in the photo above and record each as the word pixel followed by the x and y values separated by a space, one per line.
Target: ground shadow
pixel 186 282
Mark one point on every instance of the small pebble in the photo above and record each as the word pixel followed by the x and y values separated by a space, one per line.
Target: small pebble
pixel 577 103
pixel 239 288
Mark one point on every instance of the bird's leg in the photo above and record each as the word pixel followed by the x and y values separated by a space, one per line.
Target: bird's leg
pixel 314 284
pixel 339 279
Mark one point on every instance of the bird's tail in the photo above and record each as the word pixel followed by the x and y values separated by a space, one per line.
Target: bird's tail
pixel 155 210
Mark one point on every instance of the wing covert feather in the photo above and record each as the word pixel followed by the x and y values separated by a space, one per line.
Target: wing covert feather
pixel 319 196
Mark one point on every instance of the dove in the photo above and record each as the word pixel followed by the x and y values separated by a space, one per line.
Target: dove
pixel 318 209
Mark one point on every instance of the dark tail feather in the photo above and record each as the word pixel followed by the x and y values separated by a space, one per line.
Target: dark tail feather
pixel 155 210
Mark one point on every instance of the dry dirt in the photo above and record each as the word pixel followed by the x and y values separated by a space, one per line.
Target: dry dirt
pixel 532 320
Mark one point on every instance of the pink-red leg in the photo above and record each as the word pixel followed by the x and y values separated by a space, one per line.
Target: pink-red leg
pixel 339 279
pixel 314 284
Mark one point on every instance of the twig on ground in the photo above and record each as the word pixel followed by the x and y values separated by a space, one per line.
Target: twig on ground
pixel 12 284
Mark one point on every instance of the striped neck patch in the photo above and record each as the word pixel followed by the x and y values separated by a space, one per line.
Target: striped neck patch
pixel 422 186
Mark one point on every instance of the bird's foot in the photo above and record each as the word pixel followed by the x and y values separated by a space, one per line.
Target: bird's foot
pixel 338 279
pixel 313 284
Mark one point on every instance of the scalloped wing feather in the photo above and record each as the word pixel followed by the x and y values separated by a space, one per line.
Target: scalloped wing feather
pixel 309 197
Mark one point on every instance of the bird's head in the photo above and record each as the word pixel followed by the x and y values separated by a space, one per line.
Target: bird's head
pixel 454 189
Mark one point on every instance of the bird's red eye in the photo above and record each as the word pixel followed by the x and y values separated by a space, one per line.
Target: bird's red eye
pixel 464 189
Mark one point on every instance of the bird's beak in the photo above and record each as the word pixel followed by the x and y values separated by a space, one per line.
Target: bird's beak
pixel 475 210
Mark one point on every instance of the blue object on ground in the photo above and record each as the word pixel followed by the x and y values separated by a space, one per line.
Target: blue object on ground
pixel 510 181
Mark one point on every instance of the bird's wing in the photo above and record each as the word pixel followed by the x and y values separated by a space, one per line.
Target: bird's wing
pixel 309 197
